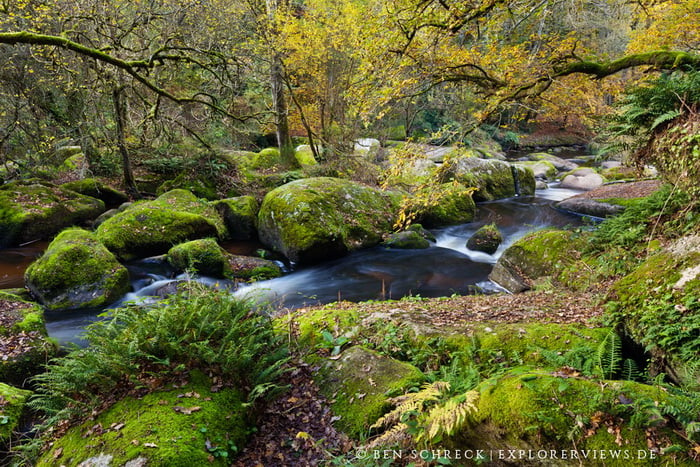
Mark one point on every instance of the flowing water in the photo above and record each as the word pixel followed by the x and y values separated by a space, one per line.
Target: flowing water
pixel 448 267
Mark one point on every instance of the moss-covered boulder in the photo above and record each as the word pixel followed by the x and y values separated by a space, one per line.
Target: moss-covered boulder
pixel 444 204
pixel 240 215
pixel 539 417
pixel 251 268
pixel 537 255
pixel 406 240
pixel 200 187
pixel 493 178
pixel 76 271
pixel 316 219
pixel 204 256
pixel 37 211
pixel 97 189
pixel 266 159
pixel 658 305
pixel 542 170
pixel 188 426
pixel 422 231
pixel 305 155
pixel 359 383
pixel 151 228
pixel 525 182
pixel 487 239
pixel 24 345
pixel 12 405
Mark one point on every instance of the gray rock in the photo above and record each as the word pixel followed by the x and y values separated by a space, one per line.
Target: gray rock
pixel 582 179
pixel 590 207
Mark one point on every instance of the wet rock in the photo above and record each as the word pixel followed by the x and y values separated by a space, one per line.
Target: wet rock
pixel 407 240
pixel 487 239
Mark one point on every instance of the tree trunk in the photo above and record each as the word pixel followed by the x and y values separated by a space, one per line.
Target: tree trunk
pixel 279 101
pixel 120 117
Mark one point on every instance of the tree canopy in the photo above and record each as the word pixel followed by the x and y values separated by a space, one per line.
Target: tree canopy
pixel 218 71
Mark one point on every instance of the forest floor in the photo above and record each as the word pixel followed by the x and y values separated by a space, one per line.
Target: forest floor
pixel 298 429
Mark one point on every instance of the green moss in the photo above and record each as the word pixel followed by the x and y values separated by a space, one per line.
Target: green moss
pixel 541 168
pixel 360 382
pixel 201 188
pixel 96 189
pixel 493 178
pixel 240 215
pixel 545 410
pixel 74 163
pixel 205 256
pixel 321 218
pixel 406 240
pixel 487 239
pixel 155 429
pixel 308 325
pixel 152 227
pixel 266 159
pixel 31 211
pixel 12 403
pixel 539 254
pixel 445 204
pixel 305 156
pixel 76 271
pixel 524 179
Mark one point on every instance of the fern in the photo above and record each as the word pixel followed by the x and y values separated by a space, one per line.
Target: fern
pixel 609 355
pixel 449 418
pixel 425 416
pixel 630 370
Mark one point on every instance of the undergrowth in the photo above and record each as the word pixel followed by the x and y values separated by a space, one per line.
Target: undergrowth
pixel 140 348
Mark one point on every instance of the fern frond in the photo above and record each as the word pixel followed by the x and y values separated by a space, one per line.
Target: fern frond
pixel 396 436
pixel 447 419
pixel 610 355
pixel 412 401
pixel 663 118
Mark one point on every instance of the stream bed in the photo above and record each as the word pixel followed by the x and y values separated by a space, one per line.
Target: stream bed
pixel 448 267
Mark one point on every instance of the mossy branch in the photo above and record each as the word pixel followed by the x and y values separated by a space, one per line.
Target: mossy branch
pixel 131 67
pixel 660 59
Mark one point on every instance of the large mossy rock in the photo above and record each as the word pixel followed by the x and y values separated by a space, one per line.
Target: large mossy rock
pixel 537 414
pixel 189 426
pixel 12 405
pixel 537 255
pixel 493 178
pixel 204 256
pixel 199 186
pixel 316 219
pixel 38 210
pixel 657 305
pixel 542 170
pixel 360 382
pixel 24 345
pixel 240 215
pixel 151 228
pixel 76 271
pixel 560 164
pixel 444 204
pixel 96 189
